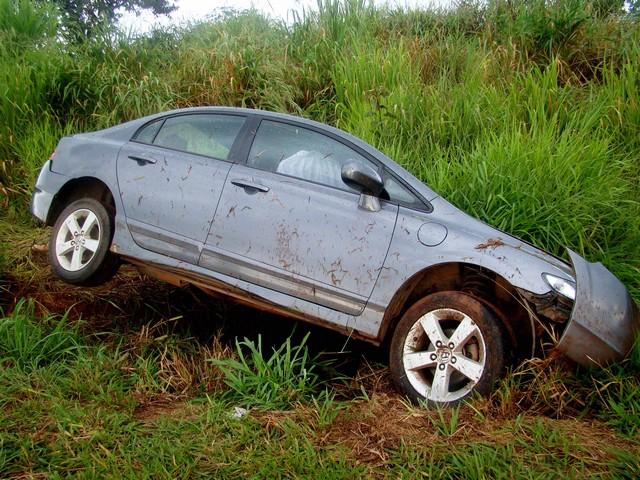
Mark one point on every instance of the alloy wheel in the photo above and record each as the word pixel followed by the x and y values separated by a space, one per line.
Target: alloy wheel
pixel 444 355
pixel 77 240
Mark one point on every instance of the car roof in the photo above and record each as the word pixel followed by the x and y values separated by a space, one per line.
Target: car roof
pixel 265 114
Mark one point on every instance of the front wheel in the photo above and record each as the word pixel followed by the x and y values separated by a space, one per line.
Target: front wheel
pixel 79 244
pixel 446 346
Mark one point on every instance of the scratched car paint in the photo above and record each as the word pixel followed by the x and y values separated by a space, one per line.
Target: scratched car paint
pixel 300 218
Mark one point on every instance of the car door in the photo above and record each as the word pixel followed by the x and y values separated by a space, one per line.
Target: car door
pixel 286 221
pixel 171 176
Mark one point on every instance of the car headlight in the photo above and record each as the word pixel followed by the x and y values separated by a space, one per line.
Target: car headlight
pixel 564 287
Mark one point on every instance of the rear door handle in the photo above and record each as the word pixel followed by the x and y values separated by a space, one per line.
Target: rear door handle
pixel 142 160
pixel 249 185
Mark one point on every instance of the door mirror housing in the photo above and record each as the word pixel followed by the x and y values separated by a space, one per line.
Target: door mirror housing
pixel 362 178
pixel 365 180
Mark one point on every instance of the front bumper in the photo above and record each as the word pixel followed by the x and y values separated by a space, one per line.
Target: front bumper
pixel 605 320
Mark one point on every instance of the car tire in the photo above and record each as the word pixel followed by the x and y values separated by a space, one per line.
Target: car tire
pixel 446 347
pixel 79 244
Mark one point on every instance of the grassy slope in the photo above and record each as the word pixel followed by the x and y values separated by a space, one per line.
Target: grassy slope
pixel 527 116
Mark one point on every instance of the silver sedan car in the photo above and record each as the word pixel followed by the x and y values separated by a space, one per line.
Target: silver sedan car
pixel 299 218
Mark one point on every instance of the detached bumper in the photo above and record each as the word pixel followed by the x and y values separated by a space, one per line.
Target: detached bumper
pixel 605 320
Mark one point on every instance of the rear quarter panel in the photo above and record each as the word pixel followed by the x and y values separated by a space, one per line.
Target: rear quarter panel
pixel 92 155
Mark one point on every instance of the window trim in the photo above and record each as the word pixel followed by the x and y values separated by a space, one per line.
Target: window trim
pixel 233 151
pixel 421 204
pixel 160 120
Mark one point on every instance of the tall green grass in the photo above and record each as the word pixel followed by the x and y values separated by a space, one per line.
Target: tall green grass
pixel 27 344
pixel 276 381
pixel 524 113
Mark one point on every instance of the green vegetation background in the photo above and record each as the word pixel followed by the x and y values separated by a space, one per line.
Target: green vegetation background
pixel 525 114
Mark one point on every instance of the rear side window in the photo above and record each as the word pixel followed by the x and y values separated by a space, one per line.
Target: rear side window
pixel 148 132
pixel 203 134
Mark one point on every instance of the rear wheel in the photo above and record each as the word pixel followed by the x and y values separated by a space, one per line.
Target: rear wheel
pixel 79 244
pixel 446 346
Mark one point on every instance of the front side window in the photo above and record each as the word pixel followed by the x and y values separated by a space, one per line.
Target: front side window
pixel 301 153
pixel 398 193
pixel 202 134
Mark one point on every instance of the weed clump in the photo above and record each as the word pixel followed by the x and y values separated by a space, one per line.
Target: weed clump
pixel 28 342
pixel 289 375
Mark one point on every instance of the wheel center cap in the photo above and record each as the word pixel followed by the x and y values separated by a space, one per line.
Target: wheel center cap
pixel 444 355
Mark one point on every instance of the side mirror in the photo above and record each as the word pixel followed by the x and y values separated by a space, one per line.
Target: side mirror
pixel 365 180
pixel 362 178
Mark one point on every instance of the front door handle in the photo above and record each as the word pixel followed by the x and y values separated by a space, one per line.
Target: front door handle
pixel 142 160
pixel 249 185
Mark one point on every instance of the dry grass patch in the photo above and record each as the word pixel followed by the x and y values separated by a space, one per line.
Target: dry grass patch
pixel 148 411
pixel 372 428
